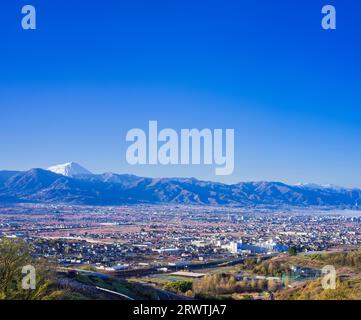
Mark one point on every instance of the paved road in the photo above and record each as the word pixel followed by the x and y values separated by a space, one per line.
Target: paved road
pixel 115 293
pixel 162 294
pixel 92 289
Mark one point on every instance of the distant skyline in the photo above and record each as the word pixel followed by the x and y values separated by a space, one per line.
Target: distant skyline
pixel 70 90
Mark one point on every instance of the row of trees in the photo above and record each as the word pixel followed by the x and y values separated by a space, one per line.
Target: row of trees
pixel 341 259
pixel 272 268
pixel 225 284
pixel 221 284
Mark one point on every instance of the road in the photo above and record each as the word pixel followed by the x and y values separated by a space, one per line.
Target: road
pixel 115 293
pixel 92 289
pixel 162 294
pixel 192 266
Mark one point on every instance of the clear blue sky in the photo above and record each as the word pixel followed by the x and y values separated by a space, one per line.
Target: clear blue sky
pixel 92 70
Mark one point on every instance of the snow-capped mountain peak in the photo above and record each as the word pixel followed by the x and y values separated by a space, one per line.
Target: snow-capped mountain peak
pixel 318 186
pixel 70 169
pixel 309 185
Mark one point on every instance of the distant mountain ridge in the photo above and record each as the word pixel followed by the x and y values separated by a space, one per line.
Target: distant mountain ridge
pixel 82 187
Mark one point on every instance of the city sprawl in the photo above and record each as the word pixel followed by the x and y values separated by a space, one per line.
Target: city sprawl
pixel 132 237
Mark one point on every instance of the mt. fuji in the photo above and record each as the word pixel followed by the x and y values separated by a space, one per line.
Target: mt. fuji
pixel 70 169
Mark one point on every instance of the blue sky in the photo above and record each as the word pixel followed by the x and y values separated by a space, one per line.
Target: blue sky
pixel 70 90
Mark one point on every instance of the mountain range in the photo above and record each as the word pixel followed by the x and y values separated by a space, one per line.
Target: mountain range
pixel 72 184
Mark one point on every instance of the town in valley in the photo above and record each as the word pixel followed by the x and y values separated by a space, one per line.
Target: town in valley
pixel 164 247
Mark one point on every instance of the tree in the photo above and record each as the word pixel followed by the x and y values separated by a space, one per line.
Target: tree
pixel 272 285
pixel 270 269
pixel 189 294
pixel 14 255
pixel 262 284
pixel 254 284
pixel 179 286
pixel 292 251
